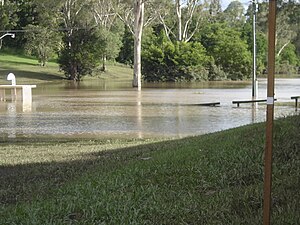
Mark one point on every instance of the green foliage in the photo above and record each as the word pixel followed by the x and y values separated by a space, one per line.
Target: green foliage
pixel 216 72
pixel 163 60
pixel 109 43
pixel 42 43
pixel 287 61
pixel 80 54
pixel 25 14
pixel 229 51
pixel 261 45
pixel 8 17
pixel 289 55
pixel 287 31
pixel 234 14
pixel 126 52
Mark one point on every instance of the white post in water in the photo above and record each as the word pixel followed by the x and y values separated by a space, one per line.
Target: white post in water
pixel 12 77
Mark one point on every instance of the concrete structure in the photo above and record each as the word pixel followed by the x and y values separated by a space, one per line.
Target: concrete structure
pixel 26 92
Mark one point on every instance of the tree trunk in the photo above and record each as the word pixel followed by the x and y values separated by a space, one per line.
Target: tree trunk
pixel 73 72
pixel 281 49
pixel 103 63
pixel 178 12
pixel 138 30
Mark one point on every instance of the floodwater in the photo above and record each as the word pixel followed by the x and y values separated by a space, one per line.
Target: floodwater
pixel 108 110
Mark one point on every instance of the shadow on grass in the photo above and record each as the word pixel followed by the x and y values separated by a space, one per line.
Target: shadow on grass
pixel 25 182
pixel 11 62
pixel 232 176
pixel 32 75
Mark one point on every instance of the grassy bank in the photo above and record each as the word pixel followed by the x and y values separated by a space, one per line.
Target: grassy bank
pixel 28 70
pixel 209 179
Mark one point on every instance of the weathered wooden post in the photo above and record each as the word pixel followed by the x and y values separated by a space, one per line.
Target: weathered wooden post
pixel 270 114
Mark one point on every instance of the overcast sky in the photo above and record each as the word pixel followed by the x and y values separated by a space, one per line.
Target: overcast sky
pixel 225 3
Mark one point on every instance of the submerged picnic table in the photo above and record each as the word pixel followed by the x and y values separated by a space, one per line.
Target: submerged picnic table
pixel 296 100
pixel 249 101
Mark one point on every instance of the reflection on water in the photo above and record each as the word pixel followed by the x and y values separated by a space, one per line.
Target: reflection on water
pixel 99 109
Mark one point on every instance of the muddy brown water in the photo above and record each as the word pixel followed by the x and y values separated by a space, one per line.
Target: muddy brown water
pixel 108 109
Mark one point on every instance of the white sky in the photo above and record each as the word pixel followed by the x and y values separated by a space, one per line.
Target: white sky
pixel 225 3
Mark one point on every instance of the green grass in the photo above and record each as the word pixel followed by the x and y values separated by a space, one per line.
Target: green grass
pixel 28 70
pixel 210 179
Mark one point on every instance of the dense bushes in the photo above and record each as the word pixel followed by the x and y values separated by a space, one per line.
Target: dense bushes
pixel 219 54
pixel 164 60
pixel 229 51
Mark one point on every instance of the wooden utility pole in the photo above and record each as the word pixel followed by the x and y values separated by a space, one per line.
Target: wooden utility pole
pixel 270 113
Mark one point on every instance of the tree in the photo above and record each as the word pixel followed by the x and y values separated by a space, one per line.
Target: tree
pixel 188 16
pixel 133 15
pixel 127 49
pixel 26 12
pixel 73 17
pixel 164 60
pixel 108 23
pixel 78 36
pixel 234 14
pixel 288 61
pixel 294 18
pixel 41 42
pixel 8 17
pixel 215 10
pixel 287 22
pixel 261 44
pixel 229 51
pixel 81 49
pixel 109 44
pixel 284 31
pixel 83 56
pixel 138 31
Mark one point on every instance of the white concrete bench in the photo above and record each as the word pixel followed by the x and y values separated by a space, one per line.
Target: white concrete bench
pixel 25 90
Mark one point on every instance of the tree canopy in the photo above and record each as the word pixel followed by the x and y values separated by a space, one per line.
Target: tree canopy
pixel 171 40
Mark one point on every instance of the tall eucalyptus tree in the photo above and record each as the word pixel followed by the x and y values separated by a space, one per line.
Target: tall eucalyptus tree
pixel 186 19
pixel 286 27
pixel 71 16
pixel 132 13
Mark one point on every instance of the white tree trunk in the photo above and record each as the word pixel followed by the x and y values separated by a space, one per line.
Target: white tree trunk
pixel 281 49
pixel 178 12
pixel 187 12
pixel 138 30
